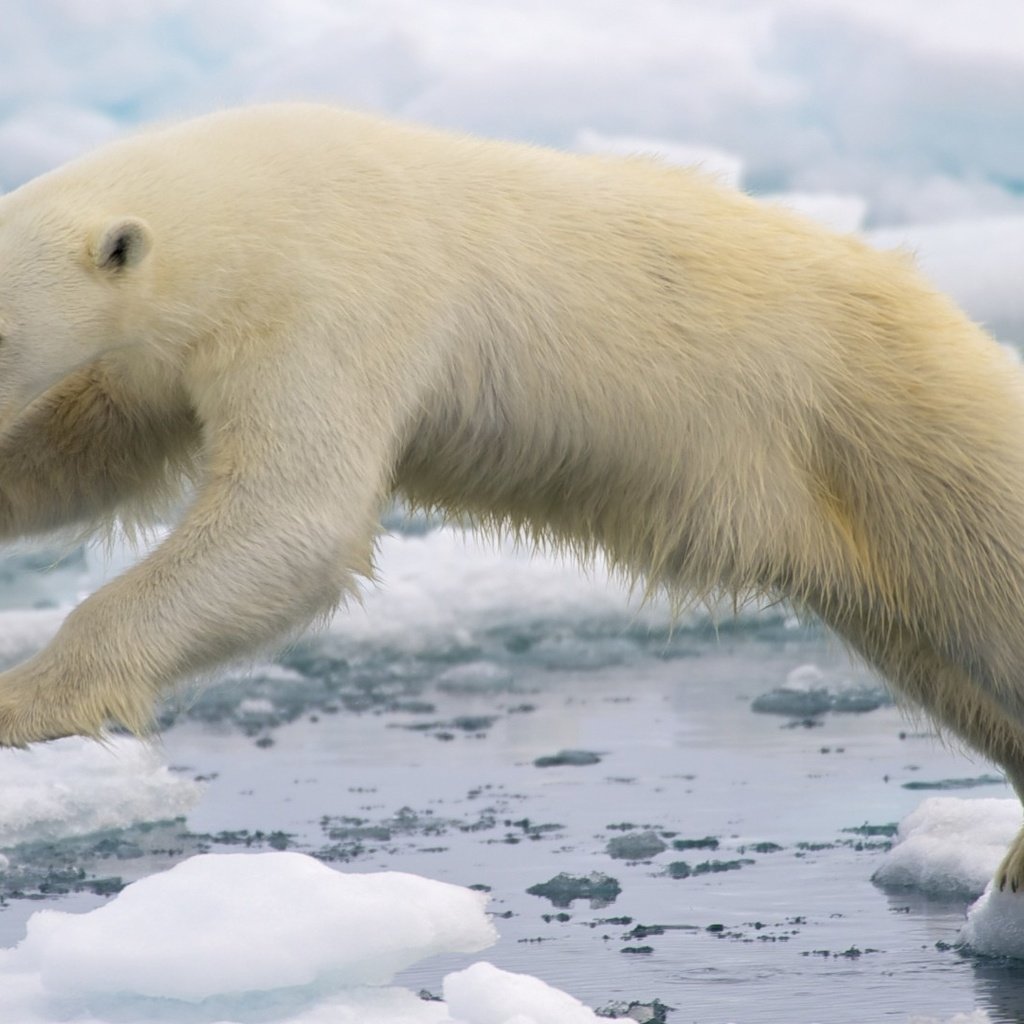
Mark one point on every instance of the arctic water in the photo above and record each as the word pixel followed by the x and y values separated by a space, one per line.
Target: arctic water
pixel 685 816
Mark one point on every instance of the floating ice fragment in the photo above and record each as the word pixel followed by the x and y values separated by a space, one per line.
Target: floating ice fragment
pixel 795 703
pixel 966 783
pixel 564 888
pixel 235 938
pixel 71 787
pixel 568 757
pixel 483 994
pixel 636 846
pixel 995 924
pixel 681 869
pixel 806 693
pixel 227 924
pixel 951 847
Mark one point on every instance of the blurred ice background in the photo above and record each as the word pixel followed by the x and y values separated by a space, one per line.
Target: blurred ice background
pixel 901 119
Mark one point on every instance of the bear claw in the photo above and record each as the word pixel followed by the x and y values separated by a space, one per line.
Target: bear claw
pixel 1011 871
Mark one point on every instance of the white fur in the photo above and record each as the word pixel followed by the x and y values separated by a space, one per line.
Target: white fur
pixel 306 310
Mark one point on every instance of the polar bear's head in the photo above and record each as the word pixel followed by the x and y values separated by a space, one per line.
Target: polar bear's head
pixel 68 294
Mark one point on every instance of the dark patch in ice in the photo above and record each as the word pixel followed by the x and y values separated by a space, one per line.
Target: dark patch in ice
pixel 860 700
pixel 794 703
pixel 568 757
pixel 811 703
pixel 890 829
pixel 56 867
pixel 534 830
pixel 763 932
pixel 80 864
pixel 653 1012
pixel 853 953
pixel 761 848
pixel 475 725
pixel 636 846
pixel 241 837
pixel 971 783
pixel 643 931
pixel 261 702
pixel 707 843
pixel 350 838
pixel 328 674
pixel 564 889
pixel 637 950
pixel 680 868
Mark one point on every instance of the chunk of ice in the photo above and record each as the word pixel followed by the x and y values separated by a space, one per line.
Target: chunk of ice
pixel 74 786
pixel 483 994
pixel 951 847
pixel 233 923
pixel 275 937
pixel 995 924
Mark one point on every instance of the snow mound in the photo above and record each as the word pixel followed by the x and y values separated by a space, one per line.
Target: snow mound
pixel 74 786
pixel 951 847
pixel 235 923
pixel 274 937
pixel 482 586
pixel 995 924
pixel 483 994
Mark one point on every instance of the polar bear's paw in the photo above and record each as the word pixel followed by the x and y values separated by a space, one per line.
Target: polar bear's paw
pixel 40 703
pixel 1011 872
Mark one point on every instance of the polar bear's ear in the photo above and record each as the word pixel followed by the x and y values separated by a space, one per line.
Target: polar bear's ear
pixel 122 243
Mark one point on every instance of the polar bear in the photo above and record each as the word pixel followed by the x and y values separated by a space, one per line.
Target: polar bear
pixel 304 311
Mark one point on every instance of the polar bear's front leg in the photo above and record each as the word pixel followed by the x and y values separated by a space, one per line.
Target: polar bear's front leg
pixel 43 699
pixel 220 586
pixel 236 575
pixel 287 515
